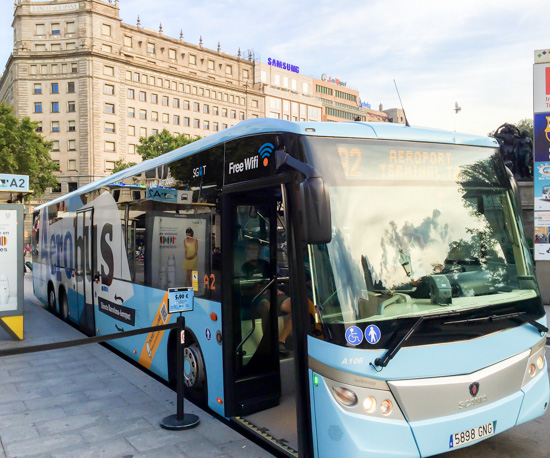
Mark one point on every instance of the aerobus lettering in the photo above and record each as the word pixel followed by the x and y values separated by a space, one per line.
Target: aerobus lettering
pixel 67 246
pixel 107 254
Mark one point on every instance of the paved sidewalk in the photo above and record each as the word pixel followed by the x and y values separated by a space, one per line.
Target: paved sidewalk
pixel 87 402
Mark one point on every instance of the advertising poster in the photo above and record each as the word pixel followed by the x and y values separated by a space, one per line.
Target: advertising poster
pixel 9 260
pixel 541 87
pixel 170 242
pixel 542 236
pixel 541 178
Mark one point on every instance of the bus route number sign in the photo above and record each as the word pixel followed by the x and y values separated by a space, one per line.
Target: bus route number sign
pixel 180 299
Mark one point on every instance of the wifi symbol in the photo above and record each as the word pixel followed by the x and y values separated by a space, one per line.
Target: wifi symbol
pixel 265 151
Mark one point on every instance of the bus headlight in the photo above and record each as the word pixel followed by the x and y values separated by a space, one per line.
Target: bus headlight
pixel 532 370
pixel 369 404
pixel 540 362
pixel 386 407
pixel 344 396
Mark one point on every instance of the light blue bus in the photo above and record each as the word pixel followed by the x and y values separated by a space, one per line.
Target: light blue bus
pixel 360 289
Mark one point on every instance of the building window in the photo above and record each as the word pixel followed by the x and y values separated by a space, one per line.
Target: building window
pixel 71 185
pixel 229 70
pixel 108 71
pixel 143 131
pixel 186 122
pixel 55 68
pixel 71 28
pixel 192 59
pixel 151 48
pixel 109 166
pixel 154 98
pixel 196 123
pixel 206 109
pixel 110 146
pixel 172 54
pixel 74 68
pixel 154 116
pixel 215 127
pixel 132 149
pixel 127 41
pixel 165 101
pixel 224 112
pixel 57 187
pixel 106 48
pixel 56 28
pixel 165 117
pixel 176 119
pixel 55 145
pixel 71 145
pixel 245 74
pixel 211 65
pixel 109 108
pixel 143 96
pixel 40 29
pixel 224 126
pixel 106 30
pixel 39 126
pixel 55 88
pixel 154 131
pixel 37 88
pixel 186 104
pixel 176 103
pixel 71 107
pixel 38 107
pixel 110 127
pixel 70 87
pixel 241 115
pixel 132 131
pixel 196 106
pixel 206 125
pixel 131 93
pixel 215 111
pixel 55 126
pixel 71 165
pixel 142 114
pixel 109 89
pixel 55 47
pixel 40 47
pixel 72 126
pixel 131 112
pixel 55 107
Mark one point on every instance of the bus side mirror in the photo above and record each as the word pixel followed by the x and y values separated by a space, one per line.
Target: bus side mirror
pixel 316 218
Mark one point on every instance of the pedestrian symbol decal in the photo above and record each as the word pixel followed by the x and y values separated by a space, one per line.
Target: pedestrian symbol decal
pixel 372 334
pixel 208 334
pixel 354 335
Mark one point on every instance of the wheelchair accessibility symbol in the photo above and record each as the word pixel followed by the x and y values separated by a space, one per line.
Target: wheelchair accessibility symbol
pixel 354 335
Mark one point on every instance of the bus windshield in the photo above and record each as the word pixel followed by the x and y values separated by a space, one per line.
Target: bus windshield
pixel 417 229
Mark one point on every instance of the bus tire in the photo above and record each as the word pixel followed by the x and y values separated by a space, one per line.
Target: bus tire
pixel 63 305
pixel 51 298
pixel 193 367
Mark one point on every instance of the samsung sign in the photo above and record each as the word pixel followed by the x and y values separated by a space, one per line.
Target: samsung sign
pixel 283 65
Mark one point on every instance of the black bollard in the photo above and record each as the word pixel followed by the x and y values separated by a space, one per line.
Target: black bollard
pixel 181 420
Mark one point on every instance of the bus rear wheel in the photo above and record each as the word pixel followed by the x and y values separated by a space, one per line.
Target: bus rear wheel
pixel 51 298
pixel 193 367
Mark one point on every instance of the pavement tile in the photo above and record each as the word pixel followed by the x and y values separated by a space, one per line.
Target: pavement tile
pixel 67 424
pixel 124 389
pixel 244 449
pixel 104 429
pixel 52 401
pixel 43 445
pixel 151 411
pixel 12 407
pixel 30 416
pixel 96 405
pixel 18 433
pixel 105 449
pixel 218 432
pixel 201 448
pixel 11 396
pixel 160 438
pixel 163 452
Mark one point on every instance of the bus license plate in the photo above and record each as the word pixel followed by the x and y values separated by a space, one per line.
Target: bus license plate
pixel 471 435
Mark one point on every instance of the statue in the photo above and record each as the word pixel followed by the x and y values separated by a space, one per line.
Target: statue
pixel 517 150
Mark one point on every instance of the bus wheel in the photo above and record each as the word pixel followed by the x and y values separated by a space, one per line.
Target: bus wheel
pixel 193 367
pixel 51 298
pixel 63 305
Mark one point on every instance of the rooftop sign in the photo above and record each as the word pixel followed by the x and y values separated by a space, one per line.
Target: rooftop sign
pixel 283 65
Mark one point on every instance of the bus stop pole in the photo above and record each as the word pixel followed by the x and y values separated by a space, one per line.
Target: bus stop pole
pixel 181 420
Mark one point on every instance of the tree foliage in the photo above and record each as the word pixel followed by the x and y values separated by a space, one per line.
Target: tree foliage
pixel 121 165
pixel 25 152
pixel 156 145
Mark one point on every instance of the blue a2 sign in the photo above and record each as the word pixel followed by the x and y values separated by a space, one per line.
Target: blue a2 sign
pixel 180 299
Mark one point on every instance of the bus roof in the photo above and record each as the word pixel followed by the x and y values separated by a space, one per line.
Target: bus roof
pixel 371 130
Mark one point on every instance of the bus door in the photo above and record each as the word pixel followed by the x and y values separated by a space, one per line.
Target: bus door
pixel 84 272
pixel 251 362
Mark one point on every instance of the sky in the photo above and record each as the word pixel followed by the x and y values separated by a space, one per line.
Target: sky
pixel 477 53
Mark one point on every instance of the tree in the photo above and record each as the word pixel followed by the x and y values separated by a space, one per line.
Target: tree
pixel 25 152
pixel 156 145
pixel 121 165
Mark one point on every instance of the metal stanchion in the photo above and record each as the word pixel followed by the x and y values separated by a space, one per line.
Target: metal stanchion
pixel 181 420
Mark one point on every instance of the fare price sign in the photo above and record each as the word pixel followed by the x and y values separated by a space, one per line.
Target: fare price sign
pixel 180 299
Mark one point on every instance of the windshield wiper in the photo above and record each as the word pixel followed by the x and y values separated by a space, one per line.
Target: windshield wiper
pixel 392 351
pixel 506 316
